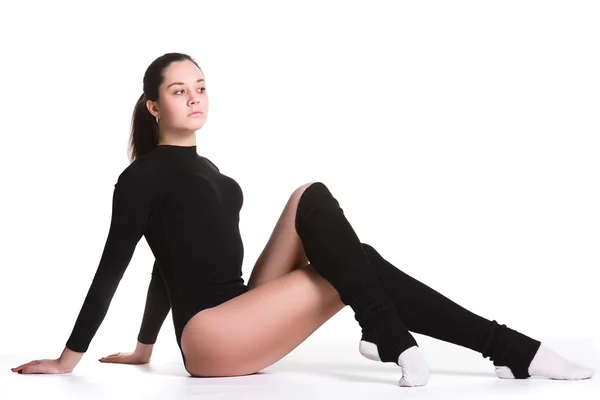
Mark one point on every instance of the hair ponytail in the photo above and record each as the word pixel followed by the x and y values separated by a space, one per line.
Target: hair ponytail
pixel 144 128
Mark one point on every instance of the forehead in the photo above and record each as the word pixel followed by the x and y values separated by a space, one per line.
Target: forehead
pixel 182 71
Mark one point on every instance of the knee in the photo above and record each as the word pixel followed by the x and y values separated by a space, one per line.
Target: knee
pixel 316 195
pixel 315 201
pixel 300 189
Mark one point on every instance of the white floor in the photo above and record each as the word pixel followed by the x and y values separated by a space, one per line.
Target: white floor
pixel 317 369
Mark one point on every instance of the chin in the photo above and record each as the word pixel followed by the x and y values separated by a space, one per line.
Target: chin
pixel 197 125
pixel 191 125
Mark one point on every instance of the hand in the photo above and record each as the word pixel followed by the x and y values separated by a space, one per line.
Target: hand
pixel 46 366
pixel 126 358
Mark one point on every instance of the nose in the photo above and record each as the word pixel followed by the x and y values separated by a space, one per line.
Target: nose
pixel 194 99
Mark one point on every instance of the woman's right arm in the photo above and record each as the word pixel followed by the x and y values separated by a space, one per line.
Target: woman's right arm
pixel 134 200
pixel 62 365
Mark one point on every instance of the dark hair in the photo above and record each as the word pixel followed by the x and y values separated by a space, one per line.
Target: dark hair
pixel 144 128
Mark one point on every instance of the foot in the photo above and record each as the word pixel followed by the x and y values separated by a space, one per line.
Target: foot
pixel 415 371
pixel 548 364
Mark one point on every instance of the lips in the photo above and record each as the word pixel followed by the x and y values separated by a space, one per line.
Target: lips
pixel 195 113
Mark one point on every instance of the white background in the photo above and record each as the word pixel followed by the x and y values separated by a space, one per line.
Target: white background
pixel 461 139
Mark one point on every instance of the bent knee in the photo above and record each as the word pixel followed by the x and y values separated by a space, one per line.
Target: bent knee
pixel 316 196
pixel 300 189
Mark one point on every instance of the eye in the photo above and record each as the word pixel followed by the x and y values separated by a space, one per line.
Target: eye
pixel 202 88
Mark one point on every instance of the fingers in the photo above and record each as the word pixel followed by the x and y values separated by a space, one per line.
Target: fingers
pixel 111 358
pixel 32 369
pixel 46 366
pixel 29 363
pixel 20 368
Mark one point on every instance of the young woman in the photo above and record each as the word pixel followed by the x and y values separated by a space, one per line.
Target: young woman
pixel 189 214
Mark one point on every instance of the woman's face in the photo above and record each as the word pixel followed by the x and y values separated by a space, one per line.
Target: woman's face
pixel 181 96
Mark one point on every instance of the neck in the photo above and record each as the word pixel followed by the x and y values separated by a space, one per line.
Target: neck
pixel 186 140
pixel 177 150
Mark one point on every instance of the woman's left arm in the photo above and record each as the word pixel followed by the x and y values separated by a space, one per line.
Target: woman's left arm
pixel 157 307
pixel 156 310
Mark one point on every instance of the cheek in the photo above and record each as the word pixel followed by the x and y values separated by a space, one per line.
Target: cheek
pixel 173 111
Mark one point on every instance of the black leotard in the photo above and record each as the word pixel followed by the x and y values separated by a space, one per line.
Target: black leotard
pixel 189 214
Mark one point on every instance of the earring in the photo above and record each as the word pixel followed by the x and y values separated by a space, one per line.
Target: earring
pixel 157 120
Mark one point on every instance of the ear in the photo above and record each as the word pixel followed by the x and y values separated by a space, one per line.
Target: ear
pixel 152 107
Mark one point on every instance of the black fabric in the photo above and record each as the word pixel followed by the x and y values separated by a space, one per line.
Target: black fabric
pixel 428 312
pixel 156 309
pixel 188 211
pixel 335 252
pixel 422 309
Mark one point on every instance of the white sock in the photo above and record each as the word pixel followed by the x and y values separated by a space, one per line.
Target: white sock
pixel 548 364
pixel 415 371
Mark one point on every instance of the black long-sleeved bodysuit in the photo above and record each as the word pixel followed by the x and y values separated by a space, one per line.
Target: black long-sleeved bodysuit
pixel 189 214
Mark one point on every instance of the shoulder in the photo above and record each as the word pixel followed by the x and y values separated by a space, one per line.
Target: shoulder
pixel 141 173
pixel 211 163
pixel 134 171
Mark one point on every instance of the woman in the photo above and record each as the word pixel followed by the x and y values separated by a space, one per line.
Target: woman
pixel 189 214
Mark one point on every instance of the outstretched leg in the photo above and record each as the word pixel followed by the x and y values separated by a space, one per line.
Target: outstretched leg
pixel 428 312
pixel 336 253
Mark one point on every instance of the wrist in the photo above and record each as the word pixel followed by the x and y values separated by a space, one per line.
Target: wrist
pixel 69 358
pixel 144 350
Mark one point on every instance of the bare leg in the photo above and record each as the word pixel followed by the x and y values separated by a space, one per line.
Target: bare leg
pixel 256 329
pixel 422 309
pixel 283 252
pixel 275 303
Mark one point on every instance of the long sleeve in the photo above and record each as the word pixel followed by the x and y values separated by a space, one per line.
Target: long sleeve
pixel 134 199
pixel 156 310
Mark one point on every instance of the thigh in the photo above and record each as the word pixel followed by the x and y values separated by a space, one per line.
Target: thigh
pixel 258 328
pixel 283 252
